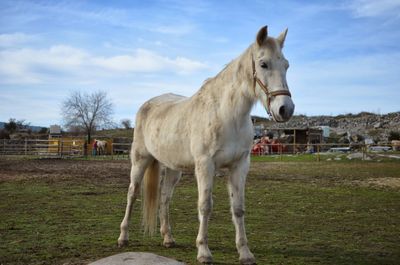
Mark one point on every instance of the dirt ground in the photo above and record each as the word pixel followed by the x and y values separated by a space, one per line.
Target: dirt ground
pixel 53 169
pixel 370 174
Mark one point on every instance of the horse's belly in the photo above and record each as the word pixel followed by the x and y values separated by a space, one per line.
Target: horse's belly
pixel 169 144
pixel 174 154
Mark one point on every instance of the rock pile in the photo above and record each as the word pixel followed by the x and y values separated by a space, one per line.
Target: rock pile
pixel 368 125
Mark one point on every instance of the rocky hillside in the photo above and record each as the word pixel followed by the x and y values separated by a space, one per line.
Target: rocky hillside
pixel 365 124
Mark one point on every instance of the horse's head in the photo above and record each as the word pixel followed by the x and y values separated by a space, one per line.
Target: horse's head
pixel 269 67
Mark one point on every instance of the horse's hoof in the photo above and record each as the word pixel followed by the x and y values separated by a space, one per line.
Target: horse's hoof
pixel 170 244
pixel 123 243
pixel 248 261
pixel 205 260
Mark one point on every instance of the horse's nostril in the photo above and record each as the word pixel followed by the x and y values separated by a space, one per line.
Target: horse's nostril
pixel 282 111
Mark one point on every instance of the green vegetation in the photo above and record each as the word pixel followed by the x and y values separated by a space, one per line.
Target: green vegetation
pixel 394 135
pixel 66 212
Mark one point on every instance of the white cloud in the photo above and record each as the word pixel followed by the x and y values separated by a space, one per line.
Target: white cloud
pixel 374 8
pixel 147 61
pixel 41 65
pixel 142 60
pixel 13 39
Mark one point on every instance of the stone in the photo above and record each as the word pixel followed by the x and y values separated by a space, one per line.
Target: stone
pixel 377 125
pixel 356 156
pixel 136 258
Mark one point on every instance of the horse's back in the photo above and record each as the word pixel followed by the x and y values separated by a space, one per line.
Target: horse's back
pixel 152 104
pixel 167 98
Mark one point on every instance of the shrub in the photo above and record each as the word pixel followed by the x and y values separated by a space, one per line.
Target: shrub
pixel 394 136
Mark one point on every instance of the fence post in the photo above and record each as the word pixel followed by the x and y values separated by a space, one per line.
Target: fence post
pixel 363 152
pixel 318 157
pixel 26 146
pixel 62 147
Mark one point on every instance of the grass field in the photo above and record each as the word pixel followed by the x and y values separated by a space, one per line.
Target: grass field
pixel 69 211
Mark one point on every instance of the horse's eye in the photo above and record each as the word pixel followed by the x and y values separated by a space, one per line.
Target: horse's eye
pixel 264 65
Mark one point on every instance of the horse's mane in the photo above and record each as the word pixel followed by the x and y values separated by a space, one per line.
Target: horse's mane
pixel 234 67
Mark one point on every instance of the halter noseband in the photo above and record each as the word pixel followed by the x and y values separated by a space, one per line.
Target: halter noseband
pixel 268 93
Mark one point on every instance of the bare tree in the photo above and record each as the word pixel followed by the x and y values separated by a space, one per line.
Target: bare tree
pixel 126 123
pixel 87 111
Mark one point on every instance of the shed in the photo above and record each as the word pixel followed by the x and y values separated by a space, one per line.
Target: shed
pixel 55 131
pixel 298 139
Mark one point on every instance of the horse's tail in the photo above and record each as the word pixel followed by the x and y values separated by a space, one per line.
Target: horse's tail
pixel 150 197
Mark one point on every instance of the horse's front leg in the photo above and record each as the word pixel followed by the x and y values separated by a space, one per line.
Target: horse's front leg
pixel 169 179
pixel 236 187
pixel 204 175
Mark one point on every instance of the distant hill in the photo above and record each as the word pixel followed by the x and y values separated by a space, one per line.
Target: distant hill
pixel 36 128
pixel 115 133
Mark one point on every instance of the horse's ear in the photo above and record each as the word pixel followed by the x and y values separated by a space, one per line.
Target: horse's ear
pixel 262 35
pixel 281 38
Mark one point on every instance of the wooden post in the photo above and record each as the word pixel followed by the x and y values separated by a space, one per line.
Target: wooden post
pixel 26 146
pixel 363 152
pixel 294 141
pixel 62 147
pixel 318 157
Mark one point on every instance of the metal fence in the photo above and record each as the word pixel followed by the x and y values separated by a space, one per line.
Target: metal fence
pixel 76 148
pixel 58 148
pixel 319 150
pixel 42 148
pixel 120 150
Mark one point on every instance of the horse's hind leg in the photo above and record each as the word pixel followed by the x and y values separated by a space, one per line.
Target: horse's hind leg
pixel 139 165
pixel 168 181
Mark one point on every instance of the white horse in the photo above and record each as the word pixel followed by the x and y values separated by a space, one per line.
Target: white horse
pixel 206 132
pixel 101 147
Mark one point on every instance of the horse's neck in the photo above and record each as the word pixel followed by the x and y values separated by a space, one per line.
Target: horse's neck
pixel 231 89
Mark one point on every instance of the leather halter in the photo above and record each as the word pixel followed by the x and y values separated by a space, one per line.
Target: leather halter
pixel 267 92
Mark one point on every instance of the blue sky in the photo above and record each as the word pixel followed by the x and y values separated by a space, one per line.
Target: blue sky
pixel 344 55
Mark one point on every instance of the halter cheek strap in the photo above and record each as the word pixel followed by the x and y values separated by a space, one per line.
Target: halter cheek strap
pixel 268 93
